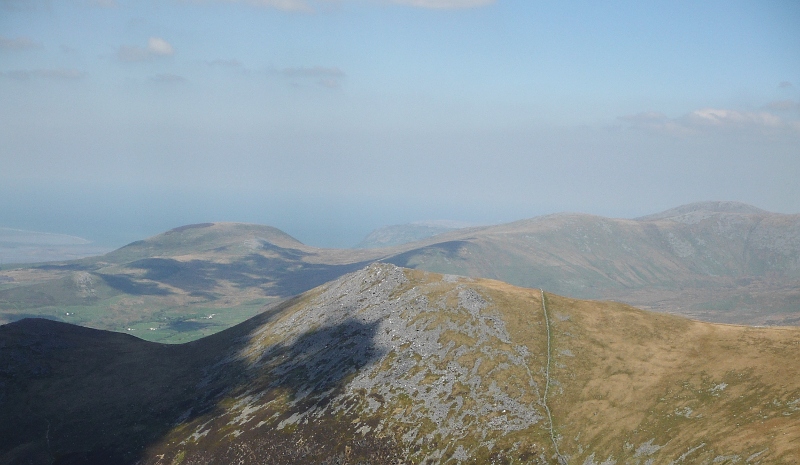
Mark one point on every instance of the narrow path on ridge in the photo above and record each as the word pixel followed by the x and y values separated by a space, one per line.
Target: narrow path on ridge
pixel 561 458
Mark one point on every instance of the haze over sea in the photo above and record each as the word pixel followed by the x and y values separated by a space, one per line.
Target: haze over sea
pixel 327 119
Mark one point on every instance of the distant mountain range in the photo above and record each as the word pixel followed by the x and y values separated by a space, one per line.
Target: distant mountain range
pixel 388 365
pixel 715 261
pixel 718 261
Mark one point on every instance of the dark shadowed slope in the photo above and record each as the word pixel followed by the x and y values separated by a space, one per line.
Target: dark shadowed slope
pixel 388 364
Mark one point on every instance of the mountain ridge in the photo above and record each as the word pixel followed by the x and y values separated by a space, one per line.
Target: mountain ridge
pixel 194 280
pixel 707 206
pixel 388 364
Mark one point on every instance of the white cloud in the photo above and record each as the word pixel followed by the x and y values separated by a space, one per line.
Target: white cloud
pixel 55 74
pixel 444 4
pixel 159 46
pixel 302 6
pixel 714 119
pixel 18 44
pixel 310 6
pixel 156 47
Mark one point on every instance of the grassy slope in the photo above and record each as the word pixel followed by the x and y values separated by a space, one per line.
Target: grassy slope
pixel 390 364
pixel 596 253
pixel 627 377
pixel 727 267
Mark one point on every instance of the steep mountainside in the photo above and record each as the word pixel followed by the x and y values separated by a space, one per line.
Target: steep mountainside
pixel 717 261
pixel 390 365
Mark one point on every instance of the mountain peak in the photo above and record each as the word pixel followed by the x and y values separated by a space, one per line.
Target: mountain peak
pixel 206 237
pixel 699 210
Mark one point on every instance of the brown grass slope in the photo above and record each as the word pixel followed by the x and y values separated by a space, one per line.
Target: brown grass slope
pixel 391 365
pixel 636 383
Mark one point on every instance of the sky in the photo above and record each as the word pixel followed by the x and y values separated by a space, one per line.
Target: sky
pixel 329 118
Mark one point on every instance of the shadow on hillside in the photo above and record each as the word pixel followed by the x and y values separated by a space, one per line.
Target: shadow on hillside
pixel 449 250
pixel 73 395
pixel 317 361
pixel 284 276
pixel 131 286
pixel 303 375
pixel 61 266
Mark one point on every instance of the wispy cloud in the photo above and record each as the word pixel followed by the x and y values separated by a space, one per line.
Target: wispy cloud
pixel 54 74
pixel 168 79
pixel 156 47
pixel 18 43
pixel 785 85
pixel 224 63
pixel 328 77
pixel 301 6
pixel 715 119
pixel 444 4
pixel 312 72
pixel 310 6
pixel 722 118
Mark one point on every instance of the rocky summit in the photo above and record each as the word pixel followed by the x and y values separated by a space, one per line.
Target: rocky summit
pixel 388 365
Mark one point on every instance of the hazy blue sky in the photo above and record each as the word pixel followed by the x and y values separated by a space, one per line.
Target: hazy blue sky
pixel 120 119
